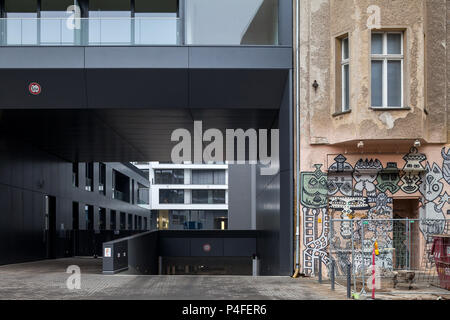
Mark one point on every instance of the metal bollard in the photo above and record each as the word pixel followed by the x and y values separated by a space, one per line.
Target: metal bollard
pixel 320 269
pixel 349 280
pixel 332 275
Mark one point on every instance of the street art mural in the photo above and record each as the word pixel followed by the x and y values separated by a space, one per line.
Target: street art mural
pixel 446 165
pixel 340 177
pixel 364 189
pixel 412 170
pixel 389 178
pixel 431 209
pixel 366 172
pixel 314 188
pixel 315 236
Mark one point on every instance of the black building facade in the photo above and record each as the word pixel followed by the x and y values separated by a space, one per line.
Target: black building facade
pixel 92 95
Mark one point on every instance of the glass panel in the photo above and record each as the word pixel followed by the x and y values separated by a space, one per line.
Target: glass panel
pixel 346 88
pixel 232 22
pixel 394 43
pixel 219 196
pixel 219 177
pixel 345 49
pixel 171 196
pixel 169 176
pixel 377 83
pixel 54 28
pixel 109 27
pixel 200 196
pixel 202 177
pixel 377 43
pixel 155 30
pixel 21 28
pixel 394 83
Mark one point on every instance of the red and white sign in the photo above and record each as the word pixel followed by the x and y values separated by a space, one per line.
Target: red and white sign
pixel 34 88
pixel 207 247
pixel 107 252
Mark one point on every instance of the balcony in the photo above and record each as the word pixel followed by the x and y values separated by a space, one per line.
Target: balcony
pixel 90 31
pixel 214 22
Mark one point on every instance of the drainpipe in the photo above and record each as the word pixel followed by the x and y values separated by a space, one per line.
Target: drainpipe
pixel 297 111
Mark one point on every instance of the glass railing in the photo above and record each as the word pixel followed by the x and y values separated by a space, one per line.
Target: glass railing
pixel 90 31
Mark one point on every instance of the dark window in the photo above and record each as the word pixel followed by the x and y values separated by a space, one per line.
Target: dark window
pixel 102 179
pixel 89 214
pixel 171 196
pixel 75 216
pixel 112 220
pixel 145 224
pixel 75 174
pixel 121 186
pixel 143 194
pixel 102 218
pixel 208 177
pixel 168 176
pixel 208 196
pixel 123 222
pixel 130 222
pixel 89 176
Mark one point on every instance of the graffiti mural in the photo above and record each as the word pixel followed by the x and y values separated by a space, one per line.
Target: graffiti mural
pixel 314 188
pixel 446 165
pixel 389 178
pixel 340 177
pixel 348 205
pixel 431 190
pixel 366 172
pixel 315 240
pixel 413 167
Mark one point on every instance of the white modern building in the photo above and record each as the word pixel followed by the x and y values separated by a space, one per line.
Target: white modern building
pixel 187 196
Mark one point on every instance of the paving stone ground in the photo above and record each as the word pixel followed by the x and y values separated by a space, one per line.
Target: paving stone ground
pixel 47 280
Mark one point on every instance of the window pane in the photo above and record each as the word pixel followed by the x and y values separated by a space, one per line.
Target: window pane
pixel 109 5
pixel 377 43
pixel 394 83
pixel 346 88
pixel 21 6
pixel 56 5
pixel 345 49
pixel 377 83
pixel 156 6
pixel 21 28
pixel 394 43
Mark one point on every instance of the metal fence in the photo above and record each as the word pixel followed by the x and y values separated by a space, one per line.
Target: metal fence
pixel 405 259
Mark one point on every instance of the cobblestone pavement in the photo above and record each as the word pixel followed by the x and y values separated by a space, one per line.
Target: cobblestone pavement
pixel 47 280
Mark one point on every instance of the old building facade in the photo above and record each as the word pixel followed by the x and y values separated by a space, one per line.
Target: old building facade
pixel 374 120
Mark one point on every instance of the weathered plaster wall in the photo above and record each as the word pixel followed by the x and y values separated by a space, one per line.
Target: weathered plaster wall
pixel 388 135
pixel 325 20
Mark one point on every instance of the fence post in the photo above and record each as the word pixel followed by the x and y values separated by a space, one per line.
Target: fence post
pixel 320 269
pixel 332 275
pixel 349 281
pixel 363 253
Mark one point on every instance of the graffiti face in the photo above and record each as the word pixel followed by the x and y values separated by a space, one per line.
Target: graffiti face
pixel 389 178
pixel 432 187
pixel 413 160
pixel 410 182
pixel 314 189
pixel 446 165
pixel 342 183
pixel 365 174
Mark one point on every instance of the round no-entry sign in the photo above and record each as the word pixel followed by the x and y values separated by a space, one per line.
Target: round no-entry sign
pixel 34 88
pixel 207 247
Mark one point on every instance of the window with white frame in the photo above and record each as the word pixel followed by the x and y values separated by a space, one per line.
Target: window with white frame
pixel 345 71
pixel 387 69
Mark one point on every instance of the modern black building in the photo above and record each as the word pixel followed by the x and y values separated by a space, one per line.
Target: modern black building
pixel 114 84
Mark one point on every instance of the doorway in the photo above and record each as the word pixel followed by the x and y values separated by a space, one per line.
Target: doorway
pixel 406 234
pixel 50 226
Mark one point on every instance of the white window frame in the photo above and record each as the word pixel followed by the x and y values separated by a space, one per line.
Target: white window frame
pixel 345 62
pixel 385 57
